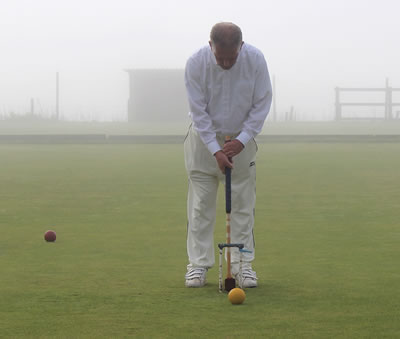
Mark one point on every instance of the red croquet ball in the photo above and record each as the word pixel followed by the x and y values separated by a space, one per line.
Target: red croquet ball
pixel 50 236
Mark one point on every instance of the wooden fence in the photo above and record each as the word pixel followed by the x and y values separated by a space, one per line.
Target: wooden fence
pixel 388 104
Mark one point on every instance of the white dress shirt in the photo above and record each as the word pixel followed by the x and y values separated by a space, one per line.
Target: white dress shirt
pixel 228 102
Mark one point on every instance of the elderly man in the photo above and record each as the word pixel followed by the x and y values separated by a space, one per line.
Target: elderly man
pixel 229 93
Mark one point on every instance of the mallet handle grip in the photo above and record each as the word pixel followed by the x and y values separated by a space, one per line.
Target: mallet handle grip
pixel 228 207
pixel 228 193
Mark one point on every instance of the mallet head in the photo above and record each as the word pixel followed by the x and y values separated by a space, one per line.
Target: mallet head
pixel 230 283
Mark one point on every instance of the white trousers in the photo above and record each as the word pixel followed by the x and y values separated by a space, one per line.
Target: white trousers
pixel 204 176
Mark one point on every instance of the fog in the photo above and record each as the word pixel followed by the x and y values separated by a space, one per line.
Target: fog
pixel 311 47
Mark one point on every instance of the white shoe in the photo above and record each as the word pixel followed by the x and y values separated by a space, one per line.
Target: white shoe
pixel 248 278
pixel 196 277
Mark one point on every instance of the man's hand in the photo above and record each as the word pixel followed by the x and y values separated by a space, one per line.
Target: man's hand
pixel 223 161
pixel 232 148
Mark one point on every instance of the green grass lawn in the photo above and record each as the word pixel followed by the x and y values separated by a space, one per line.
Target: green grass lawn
pixel 327 244
pixel 346 127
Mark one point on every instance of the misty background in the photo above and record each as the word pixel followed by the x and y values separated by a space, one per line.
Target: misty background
pixel 310 46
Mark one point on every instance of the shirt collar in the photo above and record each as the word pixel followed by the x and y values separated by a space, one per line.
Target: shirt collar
pixel 214 61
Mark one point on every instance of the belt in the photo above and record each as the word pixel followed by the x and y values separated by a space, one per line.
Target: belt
pixel 220 136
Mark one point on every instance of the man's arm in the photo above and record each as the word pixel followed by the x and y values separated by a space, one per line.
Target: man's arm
pixel 262 98
pixel 197 103
pixel 201 119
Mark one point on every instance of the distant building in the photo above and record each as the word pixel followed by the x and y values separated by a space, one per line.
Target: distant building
pixel 157 95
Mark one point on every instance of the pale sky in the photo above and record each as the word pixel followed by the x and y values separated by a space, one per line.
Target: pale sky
pixel 310 46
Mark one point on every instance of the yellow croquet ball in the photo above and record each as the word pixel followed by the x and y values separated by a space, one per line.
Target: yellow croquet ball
pixel 236 296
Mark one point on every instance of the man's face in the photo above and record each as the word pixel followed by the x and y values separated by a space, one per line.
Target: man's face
pixel 225 57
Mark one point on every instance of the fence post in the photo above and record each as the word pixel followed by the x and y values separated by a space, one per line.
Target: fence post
pixel 388 101
pixel 338 113
pixel 274 117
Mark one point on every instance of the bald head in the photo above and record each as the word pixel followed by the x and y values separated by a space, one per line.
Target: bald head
pixel 226 42
pixel 226 35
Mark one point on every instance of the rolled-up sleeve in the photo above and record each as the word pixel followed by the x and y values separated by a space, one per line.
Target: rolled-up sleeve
pixel 197 103
pixel 262 98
